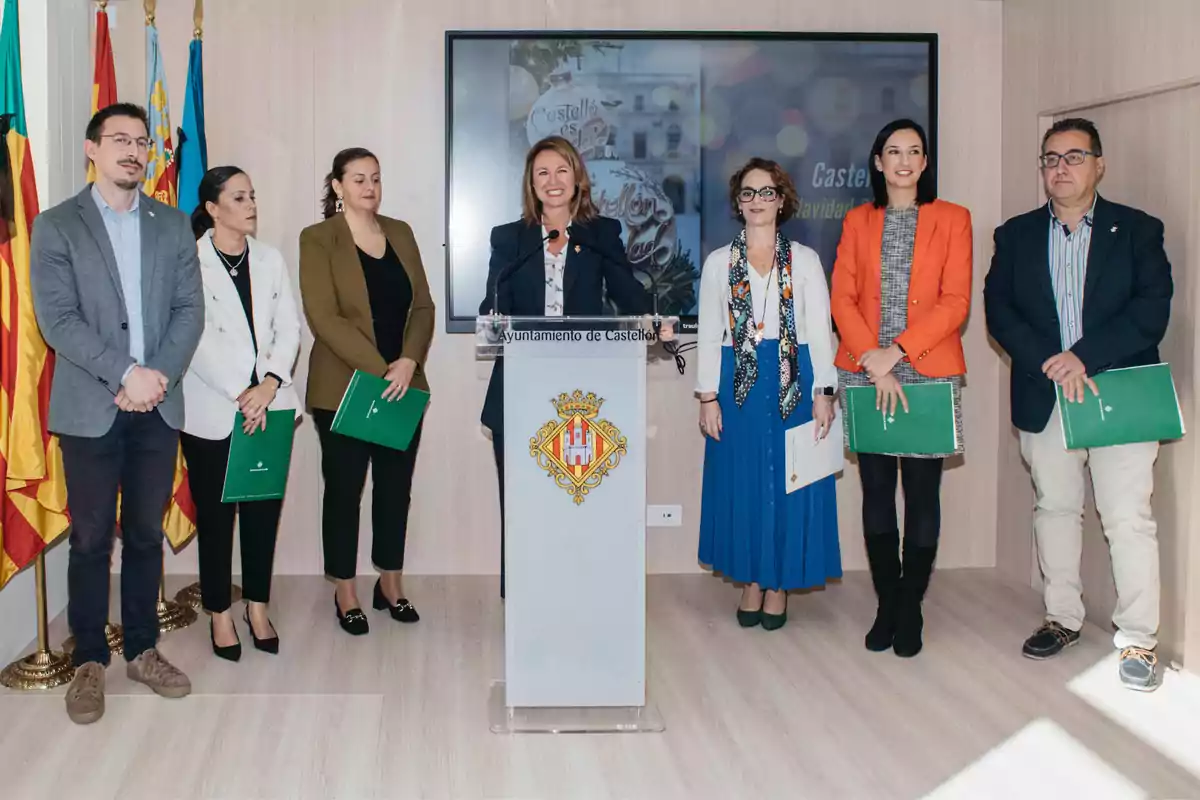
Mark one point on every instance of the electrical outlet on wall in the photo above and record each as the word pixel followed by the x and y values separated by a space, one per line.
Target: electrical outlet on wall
pixel 664 516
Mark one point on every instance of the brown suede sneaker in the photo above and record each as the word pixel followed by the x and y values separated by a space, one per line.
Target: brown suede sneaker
pixel 85 697
pixel 156 672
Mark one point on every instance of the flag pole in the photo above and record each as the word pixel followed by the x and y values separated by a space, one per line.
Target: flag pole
pixel 44 668
pixel 190 595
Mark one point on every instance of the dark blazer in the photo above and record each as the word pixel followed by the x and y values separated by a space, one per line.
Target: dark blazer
pixel 596 262
pixel 1126 301
pixel 334 294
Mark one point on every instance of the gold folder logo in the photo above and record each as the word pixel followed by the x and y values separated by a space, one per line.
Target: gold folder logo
pixel 578 450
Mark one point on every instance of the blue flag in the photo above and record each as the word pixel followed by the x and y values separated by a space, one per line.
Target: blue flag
pixel 193 148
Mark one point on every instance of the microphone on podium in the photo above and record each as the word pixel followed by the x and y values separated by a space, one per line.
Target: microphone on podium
pixel 512 268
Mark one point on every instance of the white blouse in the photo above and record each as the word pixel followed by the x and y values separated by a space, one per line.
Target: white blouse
pixel 556 265
pixel 810 303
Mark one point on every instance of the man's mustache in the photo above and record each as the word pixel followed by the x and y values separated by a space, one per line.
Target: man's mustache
pixel 133 163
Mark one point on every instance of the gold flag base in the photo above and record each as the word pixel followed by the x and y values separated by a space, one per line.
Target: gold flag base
pixel 115 635
pixel 172 616
pixel 44 669
pixel 190 596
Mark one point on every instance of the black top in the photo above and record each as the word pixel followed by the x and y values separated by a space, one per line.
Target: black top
pixel 390 293
pixel 238 268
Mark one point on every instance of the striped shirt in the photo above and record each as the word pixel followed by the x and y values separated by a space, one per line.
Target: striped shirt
pixel 1068 269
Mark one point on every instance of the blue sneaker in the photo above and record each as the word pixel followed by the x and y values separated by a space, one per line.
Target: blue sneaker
pixel 1139 669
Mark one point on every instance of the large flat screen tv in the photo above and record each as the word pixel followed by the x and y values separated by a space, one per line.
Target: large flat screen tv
pixel 662 120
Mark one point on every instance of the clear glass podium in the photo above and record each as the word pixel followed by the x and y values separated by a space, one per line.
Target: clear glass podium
pixel 575 523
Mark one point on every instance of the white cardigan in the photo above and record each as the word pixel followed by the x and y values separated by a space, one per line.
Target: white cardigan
pixel 810 302
pixel 220 369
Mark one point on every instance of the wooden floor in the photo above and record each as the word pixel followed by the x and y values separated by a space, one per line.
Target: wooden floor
pixel 798 713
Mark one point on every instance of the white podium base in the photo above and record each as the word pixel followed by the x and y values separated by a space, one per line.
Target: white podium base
pixel 503 718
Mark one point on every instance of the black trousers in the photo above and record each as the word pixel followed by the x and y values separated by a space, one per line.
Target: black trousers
pixel 922 480
pixel 498 452
pixel 137 456
pixel 344 464
pixel 206 460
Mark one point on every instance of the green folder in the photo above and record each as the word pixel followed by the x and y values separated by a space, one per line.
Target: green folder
pixel 926 429
pixel 1136 404
pixel 364 414
pixel 258 463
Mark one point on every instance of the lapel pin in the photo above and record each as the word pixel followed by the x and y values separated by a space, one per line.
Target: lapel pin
pixel 577 248
pixel 1113 229
pixel 151 213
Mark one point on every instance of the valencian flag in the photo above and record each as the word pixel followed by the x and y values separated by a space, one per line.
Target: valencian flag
pixel 104 75
pixel 34 498
pixel 193 148
pixel 179 521
pixel 160 162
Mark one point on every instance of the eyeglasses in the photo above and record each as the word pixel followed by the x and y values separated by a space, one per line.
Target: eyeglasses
pixel 1072 157
pixel 121 140
pixel 767 193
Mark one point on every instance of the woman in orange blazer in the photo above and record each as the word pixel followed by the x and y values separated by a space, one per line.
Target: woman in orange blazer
pixel 901 293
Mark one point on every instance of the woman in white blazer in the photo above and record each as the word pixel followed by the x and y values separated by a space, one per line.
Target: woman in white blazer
pixel 243 363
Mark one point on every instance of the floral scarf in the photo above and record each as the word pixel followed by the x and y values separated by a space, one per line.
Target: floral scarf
pixel 742 324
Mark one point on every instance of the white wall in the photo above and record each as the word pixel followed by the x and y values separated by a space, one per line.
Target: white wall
pixel 289 82
pixel 56 58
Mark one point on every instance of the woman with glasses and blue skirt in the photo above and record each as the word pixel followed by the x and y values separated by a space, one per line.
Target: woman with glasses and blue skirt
pixel 765 350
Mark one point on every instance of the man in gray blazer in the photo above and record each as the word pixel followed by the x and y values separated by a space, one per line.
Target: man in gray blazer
pixel 117 292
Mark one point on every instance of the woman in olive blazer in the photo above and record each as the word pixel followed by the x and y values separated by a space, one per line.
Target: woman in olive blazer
pixel 368 304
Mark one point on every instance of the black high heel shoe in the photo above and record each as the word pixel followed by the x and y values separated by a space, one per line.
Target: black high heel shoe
pixel 353 621
pixel 229 652
pixel 403 611
pixel 270 645
pixel 773 622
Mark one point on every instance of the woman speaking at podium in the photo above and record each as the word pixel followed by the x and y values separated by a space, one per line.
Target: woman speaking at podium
pixel 765 354
pixel 555 261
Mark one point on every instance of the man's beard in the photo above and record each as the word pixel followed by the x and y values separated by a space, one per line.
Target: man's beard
pixel 128 185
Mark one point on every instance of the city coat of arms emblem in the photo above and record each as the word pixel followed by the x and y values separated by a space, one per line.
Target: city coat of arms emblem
pixel 578 450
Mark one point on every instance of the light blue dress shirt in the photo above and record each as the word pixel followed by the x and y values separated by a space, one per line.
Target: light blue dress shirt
pixel 125 234
pixel 1068 255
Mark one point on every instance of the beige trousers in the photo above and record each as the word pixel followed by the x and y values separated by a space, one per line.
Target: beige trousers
pixel 1122 483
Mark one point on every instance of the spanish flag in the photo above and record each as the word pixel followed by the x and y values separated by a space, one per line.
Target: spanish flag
pixel 104 75
pixel 33 505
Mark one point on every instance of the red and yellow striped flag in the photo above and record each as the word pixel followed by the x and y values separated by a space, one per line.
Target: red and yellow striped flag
pixel 104 74
pixel 33 503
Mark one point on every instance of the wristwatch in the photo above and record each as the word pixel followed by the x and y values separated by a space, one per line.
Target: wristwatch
pixel 823 390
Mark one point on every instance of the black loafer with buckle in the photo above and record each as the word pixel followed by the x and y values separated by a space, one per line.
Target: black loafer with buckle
pixel 353 621
pixel 403 611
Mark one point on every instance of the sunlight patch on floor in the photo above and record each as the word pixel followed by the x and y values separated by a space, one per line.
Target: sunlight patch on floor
pixel 1167 719
pixel 1017 765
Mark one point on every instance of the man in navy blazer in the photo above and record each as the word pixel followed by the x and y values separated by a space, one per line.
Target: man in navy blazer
pixel 1076 287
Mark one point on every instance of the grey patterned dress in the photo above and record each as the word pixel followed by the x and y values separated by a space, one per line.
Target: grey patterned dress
pixel 899 236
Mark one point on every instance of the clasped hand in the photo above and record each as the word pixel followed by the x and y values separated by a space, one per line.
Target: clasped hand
pixel 1068 371
pixel 399 375
pixel 254 402
pixel 143 390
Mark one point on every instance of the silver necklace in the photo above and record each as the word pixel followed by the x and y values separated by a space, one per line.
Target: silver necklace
pixel 233 268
